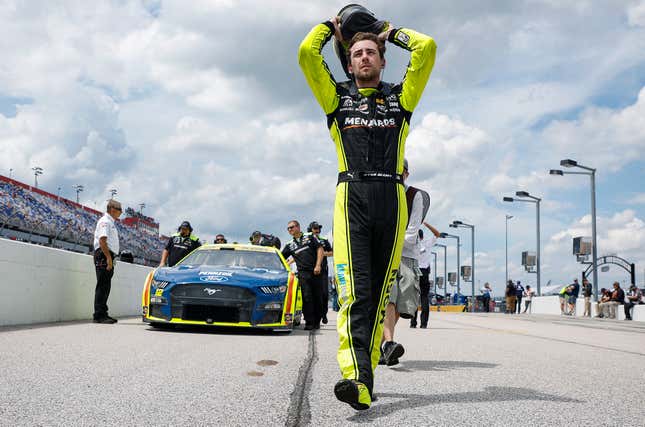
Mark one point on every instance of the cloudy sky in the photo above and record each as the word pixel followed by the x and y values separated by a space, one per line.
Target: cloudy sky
pixel 199 110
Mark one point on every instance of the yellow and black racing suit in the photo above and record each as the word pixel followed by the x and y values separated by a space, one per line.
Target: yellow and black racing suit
pixel 369 127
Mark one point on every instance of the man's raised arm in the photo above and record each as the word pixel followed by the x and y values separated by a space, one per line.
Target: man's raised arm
pixel 423 51
pixel 315 69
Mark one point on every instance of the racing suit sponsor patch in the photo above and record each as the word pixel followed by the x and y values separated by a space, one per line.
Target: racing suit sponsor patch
pixel 402 37
pixel 359 121
pixel 342 274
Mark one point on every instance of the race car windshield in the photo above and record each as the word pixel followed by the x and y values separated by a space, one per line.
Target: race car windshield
pixel 245 259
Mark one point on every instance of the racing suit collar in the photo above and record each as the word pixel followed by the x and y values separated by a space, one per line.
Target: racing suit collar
pixel 383 87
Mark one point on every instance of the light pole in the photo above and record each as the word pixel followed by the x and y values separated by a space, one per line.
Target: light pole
pixel 445 271
pixel 37 171
pixel 568 163
pixel 523 196
pixel 435 274
pixel 10 172
pixel 460 224
pixel 79 188
pixel 112 193
pixel 452 236
pixel 507 218
pixel 141 206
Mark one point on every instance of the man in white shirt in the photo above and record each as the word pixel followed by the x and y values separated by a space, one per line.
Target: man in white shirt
pixel 106 247
pixel 404 295
pixel 425 256
pixel 487 293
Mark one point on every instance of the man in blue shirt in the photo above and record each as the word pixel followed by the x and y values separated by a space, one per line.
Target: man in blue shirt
pixel 573 297
pixel 519 293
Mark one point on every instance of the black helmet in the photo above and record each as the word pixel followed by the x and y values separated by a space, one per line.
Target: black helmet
pixel 355 18
pixel 256 233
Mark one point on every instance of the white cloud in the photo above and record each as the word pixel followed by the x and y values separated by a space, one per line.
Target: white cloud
pixel 622 234
pixel 198 134
pixel 611 138
pixel 636 14
pixel 441 143
pixel 637 199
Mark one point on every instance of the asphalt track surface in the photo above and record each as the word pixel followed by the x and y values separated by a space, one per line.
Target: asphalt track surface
pixel 466 369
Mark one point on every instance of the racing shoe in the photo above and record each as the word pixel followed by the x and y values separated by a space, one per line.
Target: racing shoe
pixel 391 352
pixel 353 393
pixel 382 361
pixel 105 320
pixel 112 319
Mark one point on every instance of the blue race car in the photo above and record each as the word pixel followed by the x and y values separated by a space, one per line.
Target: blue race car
pixel 224 285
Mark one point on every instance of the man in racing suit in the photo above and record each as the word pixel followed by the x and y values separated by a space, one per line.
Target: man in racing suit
pixel 179 245
pixel 315 228
pixel 369 121
pixel 307 252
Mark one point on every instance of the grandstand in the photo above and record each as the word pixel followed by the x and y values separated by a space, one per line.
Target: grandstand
pixel 32 215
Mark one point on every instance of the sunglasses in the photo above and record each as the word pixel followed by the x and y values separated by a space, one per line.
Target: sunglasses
pixel 291 226
pixel 118 209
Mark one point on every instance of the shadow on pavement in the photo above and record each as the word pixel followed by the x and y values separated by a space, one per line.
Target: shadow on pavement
pixel 220 330
pixel 439 365
pixel 11 328
pixel 489 394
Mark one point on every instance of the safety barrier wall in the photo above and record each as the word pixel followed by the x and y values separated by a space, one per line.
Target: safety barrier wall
pixel 545 305
pixel 551 305
pixel 40 284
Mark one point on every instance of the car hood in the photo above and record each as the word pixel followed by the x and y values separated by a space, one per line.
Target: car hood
pixel 237 276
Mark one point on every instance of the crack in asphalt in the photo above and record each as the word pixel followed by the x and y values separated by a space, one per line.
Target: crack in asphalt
pixel 299 412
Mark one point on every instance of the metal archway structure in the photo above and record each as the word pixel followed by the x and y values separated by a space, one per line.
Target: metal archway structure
pixel 616 260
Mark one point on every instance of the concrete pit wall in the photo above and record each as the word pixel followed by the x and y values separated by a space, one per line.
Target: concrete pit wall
pixel 40 284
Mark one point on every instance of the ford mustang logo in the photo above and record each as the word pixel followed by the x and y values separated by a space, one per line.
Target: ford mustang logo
pixel 211 291
pixel 213 278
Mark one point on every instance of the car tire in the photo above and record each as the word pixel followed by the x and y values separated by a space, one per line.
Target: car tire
pixel 158 325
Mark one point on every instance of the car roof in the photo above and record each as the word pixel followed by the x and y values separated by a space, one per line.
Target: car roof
pixel 238 247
